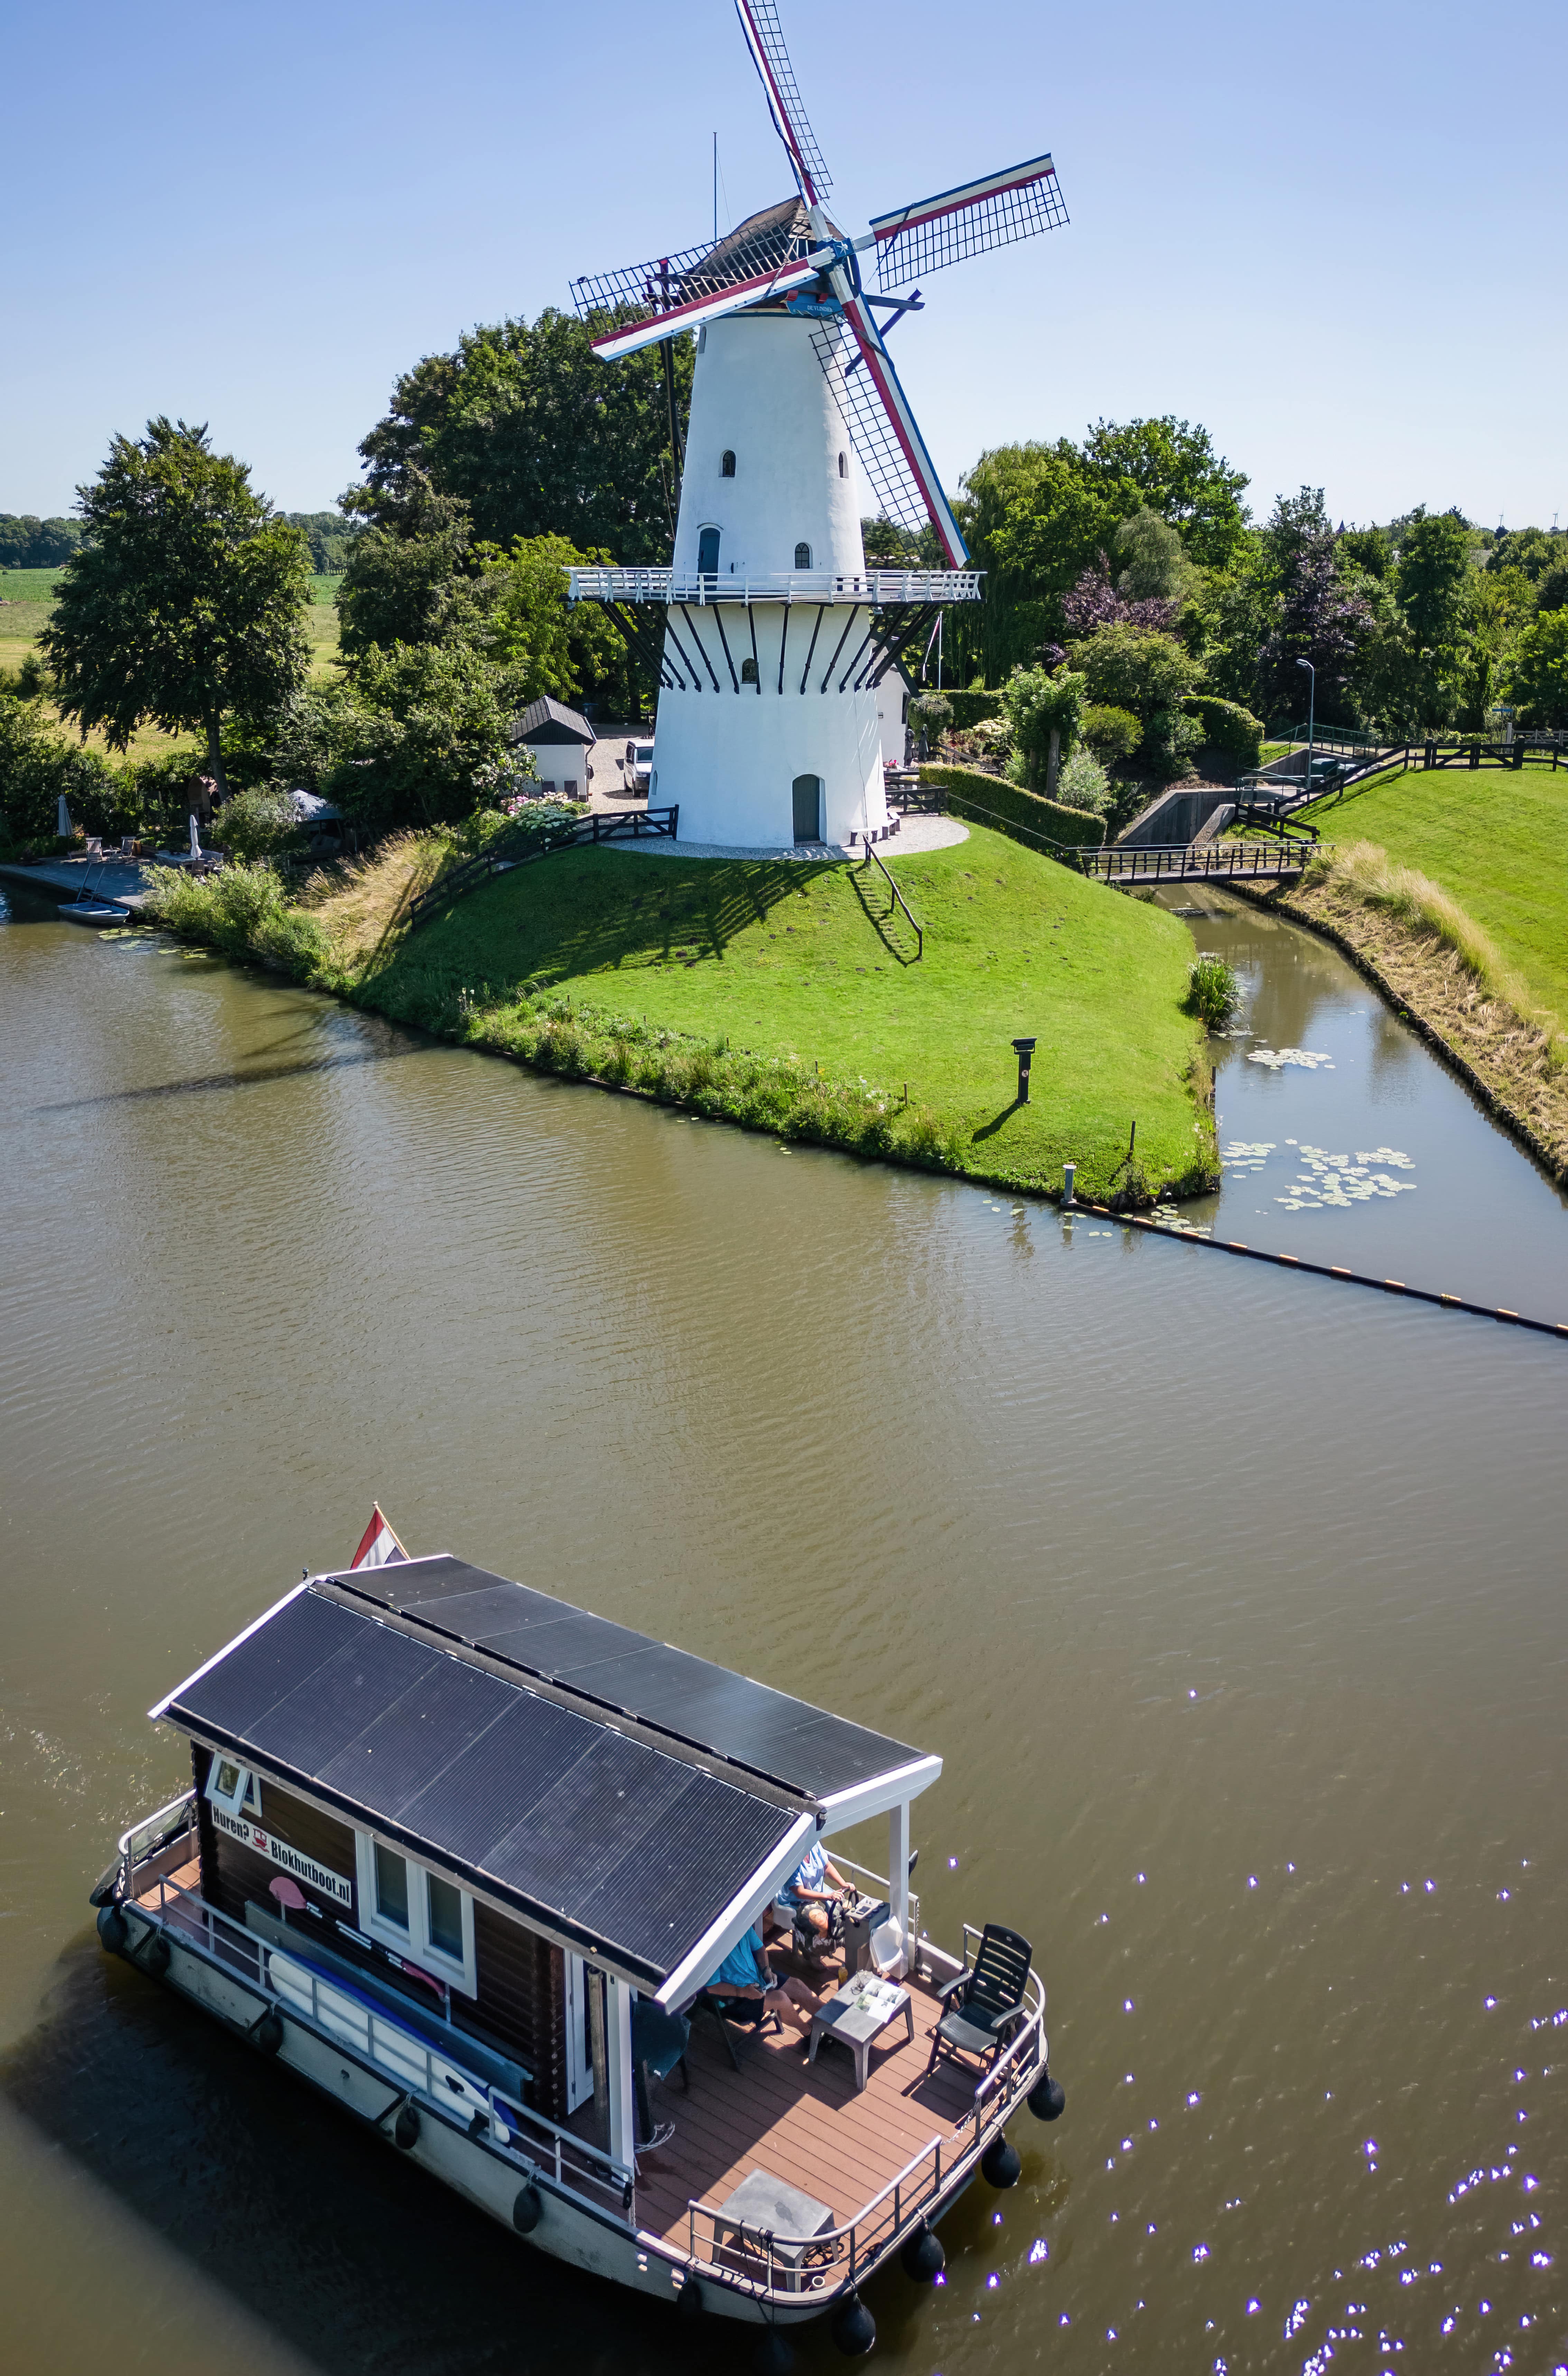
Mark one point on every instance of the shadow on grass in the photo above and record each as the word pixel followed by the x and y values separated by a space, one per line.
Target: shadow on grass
pixel 990 1129
pixel 893 929
pixel 589 917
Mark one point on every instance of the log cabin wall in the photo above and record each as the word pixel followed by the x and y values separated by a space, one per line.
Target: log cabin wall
pixel 521 2003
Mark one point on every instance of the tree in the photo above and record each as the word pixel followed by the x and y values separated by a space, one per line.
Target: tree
pixel 1317 616
pixel 1036 524
pixel 29 542
pixel 1538 679
pixel 1135 668
pixel 522 618
pixel 1155 566
pixel 400 573
pixel 527 428
pixel 1368 548
pixel 1043 712
pixel 1533 550
pixel 1171 467
pixel 430 742
pixel 1434 568
pixel 185 602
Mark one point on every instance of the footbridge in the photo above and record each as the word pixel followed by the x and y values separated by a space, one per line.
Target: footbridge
pixel 1276 860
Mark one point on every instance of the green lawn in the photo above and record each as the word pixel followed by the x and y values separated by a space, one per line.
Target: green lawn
pixel 28 597
pixel 1495 840
pixel 803 961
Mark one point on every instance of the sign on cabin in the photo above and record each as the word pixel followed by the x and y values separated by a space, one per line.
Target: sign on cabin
pixel 279 1852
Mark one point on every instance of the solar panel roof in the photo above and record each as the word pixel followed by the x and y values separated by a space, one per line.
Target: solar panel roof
pixel 622 1795
pixel 608 1841
pixel 767 1732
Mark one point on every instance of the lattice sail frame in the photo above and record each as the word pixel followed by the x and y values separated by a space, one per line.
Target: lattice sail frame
pixel 888 446
pixel 764 39
pixel 1016 203
pixel 747 256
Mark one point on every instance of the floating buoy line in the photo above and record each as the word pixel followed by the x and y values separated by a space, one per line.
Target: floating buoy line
pixel 1192 1236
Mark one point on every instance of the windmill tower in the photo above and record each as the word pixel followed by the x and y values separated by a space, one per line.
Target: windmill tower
pixel 768 635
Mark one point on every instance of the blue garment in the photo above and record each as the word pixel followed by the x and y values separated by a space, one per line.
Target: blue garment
pixel 739 1969
pixel 810 1874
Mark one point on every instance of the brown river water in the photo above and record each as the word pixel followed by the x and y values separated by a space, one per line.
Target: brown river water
pixel 1233 1601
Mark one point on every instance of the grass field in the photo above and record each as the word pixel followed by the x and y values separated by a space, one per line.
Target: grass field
pixel 1496 841
pixel 803 962
pixel 28 597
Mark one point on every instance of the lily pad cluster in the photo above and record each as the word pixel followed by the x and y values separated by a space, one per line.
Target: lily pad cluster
pixel 1276 1059
pixel 1335 1180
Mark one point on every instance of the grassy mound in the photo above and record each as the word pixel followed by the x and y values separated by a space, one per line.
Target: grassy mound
pixel 1495 843
pixel 782 982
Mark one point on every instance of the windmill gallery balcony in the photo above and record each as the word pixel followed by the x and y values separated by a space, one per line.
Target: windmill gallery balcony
pixel 881 587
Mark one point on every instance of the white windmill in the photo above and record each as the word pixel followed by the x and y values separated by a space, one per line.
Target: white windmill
pixel 775 637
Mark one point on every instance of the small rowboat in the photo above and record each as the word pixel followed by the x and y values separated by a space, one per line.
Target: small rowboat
pixel 89 911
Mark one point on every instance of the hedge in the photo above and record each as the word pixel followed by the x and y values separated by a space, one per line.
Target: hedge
pixel 970 791
pixel 1227 725
pixel 969 709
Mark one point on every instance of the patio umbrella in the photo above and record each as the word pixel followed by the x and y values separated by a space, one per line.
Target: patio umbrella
pixel 62 825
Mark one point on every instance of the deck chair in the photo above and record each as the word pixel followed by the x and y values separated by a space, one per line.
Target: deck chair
pixel 718 2010
pixel 984 2005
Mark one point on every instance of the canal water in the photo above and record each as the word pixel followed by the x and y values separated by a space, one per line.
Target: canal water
pixel 1233 1602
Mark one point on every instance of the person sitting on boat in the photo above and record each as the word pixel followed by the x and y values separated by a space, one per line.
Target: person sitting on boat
pixel 813 1892
pixel 746 1979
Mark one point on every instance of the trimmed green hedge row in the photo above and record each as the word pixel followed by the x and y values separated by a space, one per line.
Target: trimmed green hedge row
pixel 1227 725
pixel 967 789
pixel 969 709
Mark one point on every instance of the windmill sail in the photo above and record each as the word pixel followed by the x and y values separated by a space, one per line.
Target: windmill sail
pixel 993 212
pixel 768 255
pixel 764 39
pixel 888 446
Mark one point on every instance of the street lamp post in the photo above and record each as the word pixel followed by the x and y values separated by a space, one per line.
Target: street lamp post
pixel 1312 716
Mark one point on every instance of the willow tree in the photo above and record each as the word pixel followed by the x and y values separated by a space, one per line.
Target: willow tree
pixel 185 603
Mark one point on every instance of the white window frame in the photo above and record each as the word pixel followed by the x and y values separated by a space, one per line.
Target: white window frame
pixel 415 1942
pixel 244 1799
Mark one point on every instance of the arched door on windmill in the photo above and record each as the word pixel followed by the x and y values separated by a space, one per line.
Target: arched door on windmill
pixel 708 552
pixel 807 792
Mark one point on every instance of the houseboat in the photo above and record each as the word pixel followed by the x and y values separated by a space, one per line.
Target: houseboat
pixel 465 1859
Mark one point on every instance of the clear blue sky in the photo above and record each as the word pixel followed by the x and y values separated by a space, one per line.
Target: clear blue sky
pixel 1335 235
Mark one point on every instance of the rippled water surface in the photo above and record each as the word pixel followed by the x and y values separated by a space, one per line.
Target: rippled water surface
pixel 1233 1602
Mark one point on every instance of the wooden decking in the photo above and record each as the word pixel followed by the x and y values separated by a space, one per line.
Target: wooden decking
pixel 807 2125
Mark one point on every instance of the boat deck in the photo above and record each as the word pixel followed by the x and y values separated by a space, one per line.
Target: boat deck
pixel 806 2124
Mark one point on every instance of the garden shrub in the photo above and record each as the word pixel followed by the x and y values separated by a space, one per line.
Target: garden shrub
pixel 1170 737
pixel 1213 992
pixel 1083 783
pixel 252 824
pixel 1226 726
pixel 1111 734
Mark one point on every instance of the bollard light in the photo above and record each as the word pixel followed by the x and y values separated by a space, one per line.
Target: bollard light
pixel 1025 1049
pixel 1069 1173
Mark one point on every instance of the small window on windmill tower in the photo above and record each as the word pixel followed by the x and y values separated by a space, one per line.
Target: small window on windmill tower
pixel 802 556
pixel 843 466
pixel 727 464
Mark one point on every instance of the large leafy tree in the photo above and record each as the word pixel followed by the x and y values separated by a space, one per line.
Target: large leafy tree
pixel 525 426
pixel 185 603
pixel 1539 679
pixel 1035 523
pixel 1318 614
pixel 1171 467
pixel 1434 568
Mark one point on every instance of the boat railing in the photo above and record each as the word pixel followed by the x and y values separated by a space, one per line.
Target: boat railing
pixel 838 2257
pixel 153 1835
pixel 528 2138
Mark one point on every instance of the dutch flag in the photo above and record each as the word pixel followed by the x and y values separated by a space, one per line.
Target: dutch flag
pixel 378 1545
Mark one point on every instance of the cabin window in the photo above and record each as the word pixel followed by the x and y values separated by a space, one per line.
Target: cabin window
pixel 727 464
pixel 802 556
pixel 417 1913
pixel 233 1787
pixel 843 466
pixel 391 1888
pixel 748 671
